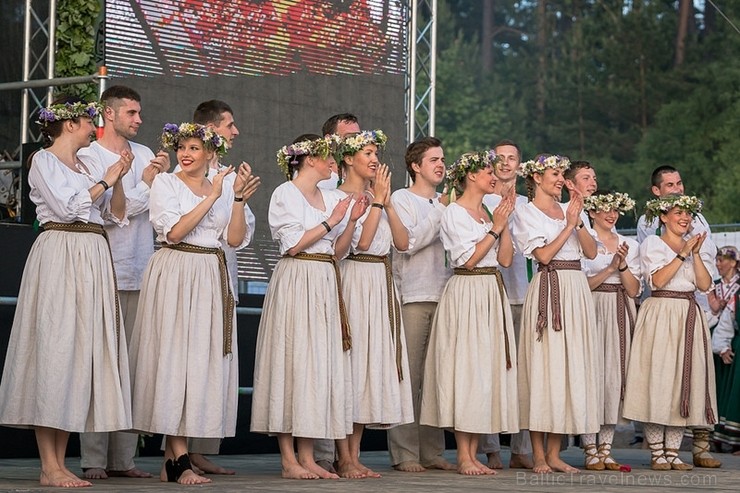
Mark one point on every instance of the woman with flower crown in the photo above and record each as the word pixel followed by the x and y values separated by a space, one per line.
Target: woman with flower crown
pixel 380 368
pixel 302 380
pixel 670 378
pixel 470 374
pixel 614 278
pixel 184 362
pixel 559 389
pixel 66 368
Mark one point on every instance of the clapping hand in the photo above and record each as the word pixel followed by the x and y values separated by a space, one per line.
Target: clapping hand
pixel 245 183
pixel 218 180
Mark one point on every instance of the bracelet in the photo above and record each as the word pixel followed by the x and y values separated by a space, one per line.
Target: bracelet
pixel 625 268
pixel 680 257
pixel 326 225
pixel 378 205
pixel 238 199
pixel 495 235
pixel 580 226
pixel 104 184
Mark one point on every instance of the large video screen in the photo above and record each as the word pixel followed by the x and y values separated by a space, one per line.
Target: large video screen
pixel 239 37
pixel 283 66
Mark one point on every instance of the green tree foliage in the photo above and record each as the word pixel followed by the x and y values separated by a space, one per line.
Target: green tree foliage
pixel 75 56
pixel 603 87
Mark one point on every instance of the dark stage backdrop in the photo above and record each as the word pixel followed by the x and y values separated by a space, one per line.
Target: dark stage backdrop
pixel 283 66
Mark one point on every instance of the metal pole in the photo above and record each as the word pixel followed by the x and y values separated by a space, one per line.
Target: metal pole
pixel 52 47
pixel 26 70
pixel 58 81
pixel 412 72
pixel 433 72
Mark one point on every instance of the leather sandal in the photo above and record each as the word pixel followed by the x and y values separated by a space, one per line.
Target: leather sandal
pixel 658 460
pixel 671 455
pixel 605 452
pixel 700 449
pixel 593 461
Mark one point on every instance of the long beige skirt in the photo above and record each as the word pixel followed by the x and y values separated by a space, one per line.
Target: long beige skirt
pixel 653 392
pixel 466 384
pixel 66 367
pixel 302 377
pixel 559 386
pixel 609 352
pixel 183 384
pixel 380 400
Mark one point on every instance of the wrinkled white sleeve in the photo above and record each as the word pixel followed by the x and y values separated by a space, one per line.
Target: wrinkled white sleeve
pixel 723 332
pixel 165 209
pixel 48 179
pixel 458 236
pixel 652 259
pixel 422 231
pixel 527 231
pixel 633 262
pixel 644 229
pixel 284 219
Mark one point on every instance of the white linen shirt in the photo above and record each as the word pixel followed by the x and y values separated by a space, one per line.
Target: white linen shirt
pixel 460 234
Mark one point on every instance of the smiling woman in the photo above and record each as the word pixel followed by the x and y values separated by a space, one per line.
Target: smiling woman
pixel 68 311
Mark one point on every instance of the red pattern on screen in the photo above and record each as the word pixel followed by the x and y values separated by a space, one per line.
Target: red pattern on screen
pixel 233 37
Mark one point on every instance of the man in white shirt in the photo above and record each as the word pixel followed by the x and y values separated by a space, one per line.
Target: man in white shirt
pixel 219 116
pixel 112 454
pixel 516 282
pixel 581 178
pixel 421 274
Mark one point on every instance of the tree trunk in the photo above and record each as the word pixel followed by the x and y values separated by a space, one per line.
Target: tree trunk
pixel 541 58
pixel 684 8
pixel 486 51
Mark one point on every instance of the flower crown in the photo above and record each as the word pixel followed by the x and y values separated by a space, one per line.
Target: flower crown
pixel 605 202
pixel 320 147
pixel 172 134
pixel 654 208
pixel 541 163
pixel 355 142
pixel 468 163
pixel 67 111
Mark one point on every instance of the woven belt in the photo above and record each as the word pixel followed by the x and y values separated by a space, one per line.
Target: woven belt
pixel 227 297
pixel 80 227
pixel 688 344
pixel 550 278
pixel 491 271
pixel 622 309
pixel 325 257
pixel 394 311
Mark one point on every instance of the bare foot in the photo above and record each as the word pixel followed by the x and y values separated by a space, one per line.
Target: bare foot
pixel 296 471
pixel 409 466
pixel 318 470
pixel 189 477
pixel 520 461
pixel 131 473
pixel 369 473
pixel 486 470
pixel 94 473
pixel 557 464
pixel 494 460
pixel 541 467
pixel 469 468
pixel 326 465
pixel 61 479
pixel 350 471
pixel 207 467
pixel 442 464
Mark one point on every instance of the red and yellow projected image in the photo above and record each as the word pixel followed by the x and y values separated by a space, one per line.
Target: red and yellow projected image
pixel 239 37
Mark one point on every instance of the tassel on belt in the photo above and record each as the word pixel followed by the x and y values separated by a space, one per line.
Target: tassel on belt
pixel 325 257
pixel 688 344
pixel 227 297
pixel 550 278
pixel 622 308
pixel 492 271
pixel 81 227
pixel 394 310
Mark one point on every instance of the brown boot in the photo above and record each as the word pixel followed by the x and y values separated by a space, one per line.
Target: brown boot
pixel 700 449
